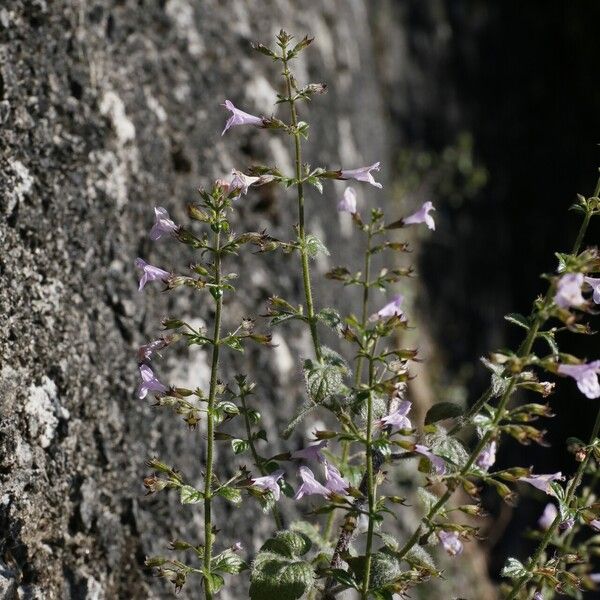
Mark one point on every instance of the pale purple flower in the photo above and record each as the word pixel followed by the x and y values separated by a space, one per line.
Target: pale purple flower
pixel 311 452
pixel 162 224
pixel 594 283
pixel 451 542
pixel 334 481
pixel 150 273
pixel 392 309
pixel 595 524
pixel 586 376
pixel 538 596
pixel 542 482
pixel 548 516
pixel 362 174
pixel 398 418
pixel 488 456
pixel 567 524
pixel 348 201
pixel 147 351
pixel 269 483
pixel 241 181
pixel 422 216
pixel 237 547
pixel 310 486
pixel 149 383
pixel 438 463
pixel 239 117
pixel 595 577
pixel 568 290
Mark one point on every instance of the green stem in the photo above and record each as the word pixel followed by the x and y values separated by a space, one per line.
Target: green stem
pixel 310 310
pixel 518 585
pixel 210 433
pixel 359 362
pixel 370 482
pixel 257 460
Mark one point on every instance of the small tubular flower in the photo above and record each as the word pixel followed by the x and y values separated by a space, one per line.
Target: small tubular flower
pixel 163 225
pixel 149 383
pixel 568 290
pixel 542 482
pixel 146 352
pixel 594 283
pixel 150 273
pixel 398 418
pixel 241 181
pixel 392 309
pixel 348 201
pixel 422 216
pixel 311 452
pixel 586 377
pixel 269 483
pixel 450 542
pixel 310 486
pixel 488 456
pixel 548 516
pixel 362 174
pixel 334 481
pixel 239 117
pixel 438 463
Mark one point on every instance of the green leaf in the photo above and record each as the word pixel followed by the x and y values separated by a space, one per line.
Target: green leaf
pixel 277 577
pixel 385 568
pixel 216 581
pixel 514 569
pixel 441 411
pixel 517 319
pixel 228 562
pixel 239 446
pixel 190 495
pixel 314 246
pixel 417 556
pixel 278 572
pixel 290 544
pixel 331 318
pixel 230 493
pixel 344 578
pixel 427 499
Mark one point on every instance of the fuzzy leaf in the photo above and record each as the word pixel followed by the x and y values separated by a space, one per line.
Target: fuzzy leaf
pixel 190 495
pixel 230 493
pixel 514 569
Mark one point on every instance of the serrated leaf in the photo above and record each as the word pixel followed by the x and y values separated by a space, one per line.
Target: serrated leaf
pixel 314 246
pixel 228 562
pixel 514 569
pixel 190 495
pixel 441 411
pixel 230 493
pixel 291 544
pixel 239 446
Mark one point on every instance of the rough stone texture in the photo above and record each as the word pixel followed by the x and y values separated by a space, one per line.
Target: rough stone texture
pixel 108 109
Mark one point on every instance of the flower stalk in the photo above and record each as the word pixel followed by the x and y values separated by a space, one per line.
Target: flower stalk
pixel 308 296
pixel 217 294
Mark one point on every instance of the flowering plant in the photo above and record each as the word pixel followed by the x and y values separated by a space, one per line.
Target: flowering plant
pixel 344 543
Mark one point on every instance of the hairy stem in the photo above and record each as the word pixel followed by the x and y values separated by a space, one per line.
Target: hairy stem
pixel 310 310
pixel 370 482
pixel 210 433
